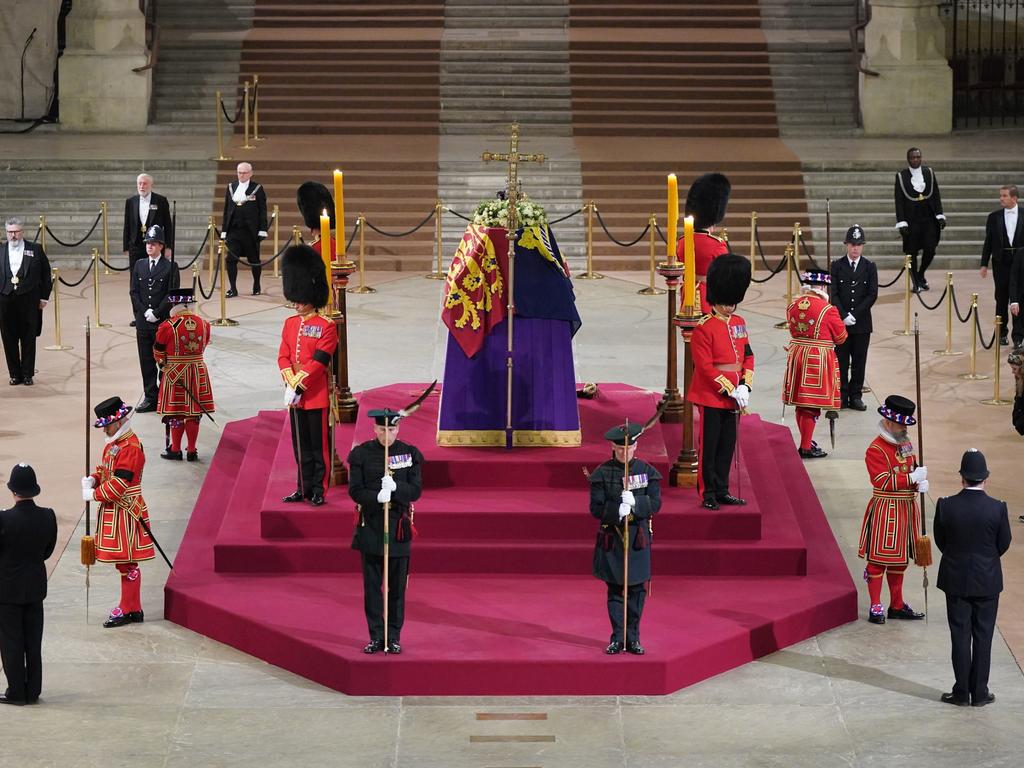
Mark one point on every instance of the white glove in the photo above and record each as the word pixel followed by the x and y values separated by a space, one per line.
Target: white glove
pixel 150 315
pixel 902 225
pixel 741 395
pixel 261 234
pixel 849 319
pixel 922 487
pixel 388 482
pixel 291 397
pixel 88 482
pixel 88 494
pixel 919 474
pixel 629 498
pixel 384 496
pixel 223 235
pixel 624 510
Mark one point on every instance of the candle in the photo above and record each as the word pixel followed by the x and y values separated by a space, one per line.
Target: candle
pixel 673 217
pixel 325 250
pixel 339 213
pixel 689 267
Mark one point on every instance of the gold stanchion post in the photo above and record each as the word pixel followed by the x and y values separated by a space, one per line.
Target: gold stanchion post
pixel 590 207
pixel 96 288
pixel 245 109
pixel 997 353
pixel 211 248
pixel 256 110
pixel 906 302
pixel 220 130
pixel 223 320
pixel 438 273
pixel 57 346
pixel 362 287
pixel 42 231
pixel 973 374
pixel 651 289
pixel 789 283
pixel 277 239
pixel 106 240
pixel 296 235
pixel 948 351
pixel 753 243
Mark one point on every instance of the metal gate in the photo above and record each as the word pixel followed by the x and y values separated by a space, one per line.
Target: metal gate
pixel 988 62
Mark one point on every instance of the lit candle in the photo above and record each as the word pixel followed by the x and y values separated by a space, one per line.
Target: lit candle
pixel 689 267
pixel 325 250
pixel 339 213
pixel 673 217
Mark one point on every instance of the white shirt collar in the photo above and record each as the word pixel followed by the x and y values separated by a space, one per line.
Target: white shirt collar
pixel 1010 211
pixel 240 192
pixel 121 432
pixel 917 179
pixel 16 247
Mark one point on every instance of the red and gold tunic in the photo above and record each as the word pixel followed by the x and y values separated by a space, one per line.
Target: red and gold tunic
pixel 119 537
pixel 705 248
pixel 307 344
pixel 722 360
pixel 812 369
pixel 179 347
pixel 891 523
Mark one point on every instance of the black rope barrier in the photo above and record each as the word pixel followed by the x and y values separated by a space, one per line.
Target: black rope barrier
pixel 577 212
pixel 228 117
pixel 934 306
pixel 277 255
pixel 657 228
pixel 631 243
pixel 108 265
pixel 977 325
pixel 760 250
pixel 405 233
pixel 956 308
pixel 352 237
pixel 80 280
pixel 39 231
pixel 213 287
pixel 807 253
pixel 75 245
pixel 893 281
pixel 199 252
pixel 252 99
pixel 456 213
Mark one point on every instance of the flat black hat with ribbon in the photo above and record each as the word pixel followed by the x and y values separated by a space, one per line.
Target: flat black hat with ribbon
pixel 23 481
pixel 182 296
pixel 973 466
pixel 617 434
pixel 385 417
pixel 814 277
pixel 110 410
pixel 155 234
pixel 899 409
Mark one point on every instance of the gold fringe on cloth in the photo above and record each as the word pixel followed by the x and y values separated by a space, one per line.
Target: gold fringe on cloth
pixel 521 438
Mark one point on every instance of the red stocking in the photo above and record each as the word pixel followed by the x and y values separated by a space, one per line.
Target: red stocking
pixel 192 430
pixel 895 578
pixel 176 431
pixel 131 585
pixel 875 583
pixel 806 420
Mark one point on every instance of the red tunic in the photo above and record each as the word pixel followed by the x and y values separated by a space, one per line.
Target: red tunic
pixel 705 248
pixel 307 344
pixel 119 537
pixel 722 359
pixel 812 370
pixel 179 347
pixel 891 523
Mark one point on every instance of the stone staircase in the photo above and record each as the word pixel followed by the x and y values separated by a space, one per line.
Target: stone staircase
pixel 499 15
pixel 815 83
pixel 657 14
pixel 807 14
pixel 285 14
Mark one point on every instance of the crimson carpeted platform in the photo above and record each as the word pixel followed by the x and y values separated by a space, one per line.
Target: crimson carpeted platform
pixel 500 601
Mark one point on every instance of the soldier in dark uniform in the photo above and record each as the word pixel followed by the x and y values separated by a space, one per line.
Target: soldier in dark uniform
pixel 371 487
pixel 919 216
pixel 244 226
pixel 615 504
pixel 854 290
pixel 153 278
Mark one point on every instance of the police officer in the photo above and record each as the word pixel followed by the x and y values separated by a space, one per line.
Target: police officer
pixel 153 278
pixel 854 290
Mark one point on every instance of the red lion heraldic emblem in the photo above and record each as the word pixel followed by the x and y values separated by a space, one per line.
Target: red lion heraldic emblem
pixel 474 288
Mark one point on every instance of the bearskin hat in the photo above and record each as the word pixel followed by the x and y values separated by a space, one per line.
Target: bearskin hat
pixel 728 279
pixel 707 198
pixel 313 198
pixel 304 277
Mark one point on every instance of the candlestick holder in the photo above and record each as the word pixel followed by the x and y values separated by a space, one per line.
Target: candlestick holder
pixel 674 405
pixel 348 407
pixel 683 473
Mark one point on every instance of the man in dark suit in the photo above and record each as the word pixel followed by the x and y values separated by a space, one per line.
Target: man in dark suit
pixel 854 290
pixel 972 530
pixel 153 278
pixel 244 226
pixel 28 535
pixel 919 216
pixel 1004 245
pixel 25 285
pixel 141 212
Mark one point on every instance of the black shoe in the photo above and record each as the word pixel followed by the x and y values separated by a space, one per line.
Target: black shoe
pixel 394 648
pixel 28 381
pixel 192 456
pixel 988 698
pixel 614 647
pixel 1021 518
pixel 876 616
pixel 14 382
pixel 955 699
pixel 133 617
pixel 373 646
pixel 729 500
pixel 146 406
pixel 906 612
pixel 317 500
pixel 15 702
pixel 857 404
pixel 709 503
pixel 635 648
pixel 814 452
pixel 923 284
pixel 255 291
pixel 172 455
pixel 231 293
pixel 293 497
pixel 1003 341
pixel 131 324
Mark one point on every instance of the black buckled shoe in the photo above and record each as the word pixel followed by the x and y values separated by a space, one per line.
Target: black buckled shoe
pixel 709 503
pixel 857 404
pixel 394 648
pixel 256 291
pixel 955 699
pixel 635 648
pixel 171 455
pixel 146 406
pixel 728 500
pixel 876 615
pixel 132 617
pixel 814 452
pixel 373 646
pixel 981 701
pixel 317 500
pixel 614 647
pixel 5 700
pixel 192 456
pixel 293 497
pixel 28 382
pixel 906 612
pixel 14 382
pixel 231 293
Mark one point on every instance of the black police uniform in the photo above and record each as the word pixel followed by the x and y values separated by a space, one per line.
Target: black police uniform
pixel 366 469
pixel 149 290
pixel 854 292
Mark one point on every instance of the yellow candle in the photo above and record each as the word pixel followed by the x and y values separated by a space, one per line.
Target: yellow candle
pixel 339 213
pixel 325 250
pixel 673 217
pixel 689 265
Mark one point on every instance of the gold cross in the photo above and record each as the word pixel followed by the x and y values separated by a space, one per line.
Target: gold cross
pixel 514 158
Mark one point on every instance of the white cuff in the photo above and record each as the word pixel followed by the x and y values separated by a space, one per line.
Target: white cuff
pixel 901 224
pixel 941 216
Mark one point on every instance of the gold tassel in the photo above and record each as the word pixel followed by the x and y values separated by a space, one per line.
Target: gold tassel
pixel 923 551
pixel 88 551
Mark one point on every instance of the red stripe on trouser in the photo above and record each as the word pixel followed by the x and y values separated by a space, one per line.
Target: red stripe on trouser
pixel 131 587
pixel 806 420
pixel 192 430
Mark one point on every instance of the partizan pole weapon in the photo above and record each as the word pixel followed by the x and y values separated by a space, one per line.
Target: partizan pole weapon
pixel 923 544
pixel 88 545
pixel 625 538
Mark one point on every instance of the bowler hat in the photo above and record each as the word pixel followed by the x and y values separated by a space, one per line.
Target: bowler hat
pixel 855 235
pixel 973 466
pixel 23 481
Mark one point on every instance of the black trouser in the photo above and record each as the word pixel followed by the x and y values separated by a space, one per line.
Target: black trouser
pixel 921 236
pixel 717 445
pixel 21 643
pixel 19 325
pixel 373 595
pixel 239 246
pixel 972 620
pixel 145 336
pixel 635 607
pixel 853 359
pixel 134 254
pixel 1001 282
pixel 308 430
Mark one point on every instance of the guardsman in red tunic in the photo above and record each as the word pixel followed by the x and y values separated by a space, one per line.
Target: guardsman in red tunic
pixel 812 369
pixel 723 371
pixel 891 521
pixel 185 390
pixel 308 341
pixel 121 538
pixel 706 201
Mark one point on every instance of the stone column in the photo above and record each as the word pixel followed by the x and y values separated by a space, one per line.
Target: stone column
pixel 98 90
pixel 905 43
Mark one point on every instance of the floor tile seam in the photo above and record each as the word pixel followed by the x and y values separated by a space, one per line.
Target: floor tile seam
pixel 181 711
